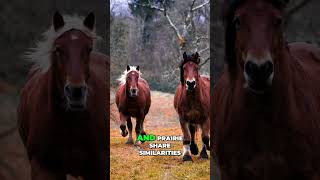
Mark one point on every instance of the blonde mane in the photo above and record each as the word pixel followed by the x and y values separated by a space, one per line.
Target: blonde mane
pixel 40 55
pixel 123 77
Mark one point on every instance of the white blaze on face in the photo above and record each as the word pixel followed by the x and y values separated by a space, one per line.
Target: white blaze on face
pixel 191 80
pixel 74 37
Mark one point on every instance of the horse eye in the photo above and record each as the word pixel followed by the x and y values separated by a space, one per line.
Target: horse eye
pixel 236 23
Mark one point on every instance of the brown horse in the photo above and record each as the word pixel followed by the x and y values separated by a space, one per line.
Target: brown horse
pixel 62 116
pixel 192 103
pixel 267 102
pixel 133 100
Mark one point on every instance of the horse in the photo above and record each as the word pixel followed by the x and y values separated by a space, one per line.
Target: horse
pixel 266 104
pixel 192 103
pixel 62 117
pixel 133 99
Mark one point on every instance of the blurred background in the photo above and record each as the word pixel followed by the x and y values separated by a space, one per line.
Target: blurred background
pixel 22 23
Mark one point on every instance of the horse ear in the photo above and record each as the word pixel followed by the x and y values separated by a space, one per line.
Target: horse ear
pixel 128 68
pixel 89 21
pixel 196 55
pixel 185 56
pixel 58 21
pixel 138 68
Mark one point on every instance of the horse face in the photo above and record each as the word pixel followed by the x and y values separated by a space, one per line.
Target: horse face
pixel 258 27
pixel 132 82
pixel 71 59
pixel 191 75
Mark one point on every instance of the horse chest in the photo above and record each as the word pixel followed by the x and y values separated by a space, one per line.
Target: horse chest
pixel 193 113
pixel 72 140
pixel 264 147
pixel 132 108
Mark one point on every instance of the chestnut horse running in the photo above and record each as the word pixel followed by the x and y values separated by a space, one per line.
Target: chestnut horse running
pixel 192 103
pixel 62 113
pixel 266 105
pixel 133 100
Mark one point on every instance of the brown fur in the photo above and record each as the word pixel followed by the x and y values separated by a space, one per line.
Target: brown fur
pixel 193 107
pixel 137 107
pixel 275 135
pixel 64 129
pixel 60 142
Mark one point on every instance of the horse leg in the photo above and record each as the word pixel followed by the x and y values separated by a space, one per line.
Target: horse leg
pixel 186 141
pixel 40 172
pixel 142 126
pixel 205 128
pixel 129 124
pixel 138 129
pixel 123 121
pixel 193 146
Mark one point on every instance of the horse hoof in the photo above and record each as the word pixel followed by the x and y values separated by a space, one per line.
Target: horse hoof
pixel 203 154
pixel 187 157
pixel 125 133
pixel 137 143
pixel 194 149
pixel 130 141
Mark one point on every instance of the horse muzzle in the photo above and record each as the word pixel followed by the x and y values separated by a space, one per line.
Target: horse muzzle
pixel 76 97
pixel 133 92
pixel 191 85
pixel 258 77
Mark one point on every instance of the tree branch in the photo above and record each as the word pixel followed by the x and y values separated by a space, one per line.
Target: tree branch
pixel 173 26
pixel 165 13
pixel 200 6
pixel 149 6
pixel 203 50
pixel 191 7
pixel 204 62
pixel 294 9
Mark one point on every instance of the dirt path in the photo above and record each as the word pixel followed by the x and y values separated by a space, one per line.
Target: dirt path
pixel 161 120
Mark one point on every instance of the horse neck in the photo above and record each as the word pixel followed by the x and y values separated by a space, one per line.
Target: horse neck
pixel 55 94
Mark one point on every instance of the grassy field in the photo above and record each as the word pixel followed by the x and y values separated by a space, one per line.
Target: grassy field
pixel 161 120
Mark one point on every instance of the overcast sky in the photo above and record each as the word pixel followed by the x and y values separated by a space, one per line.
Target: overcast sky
pixel 119 6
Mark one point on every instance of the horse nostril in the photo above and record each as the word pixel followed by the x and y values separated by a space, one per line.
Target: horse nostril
pixel 191 83
pixel 267 68
pixel 75 92
pixel 259 72
pixel 251 68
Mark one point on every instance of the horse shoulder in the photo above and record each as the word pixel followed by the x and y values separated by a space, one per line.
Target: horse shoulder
pixel 145 87
pixel 221 93
pixel 33 100
pixel 305 51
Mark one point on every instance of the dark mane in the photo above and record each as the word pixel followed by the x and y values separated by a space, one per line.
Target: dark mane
pixel 229 8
